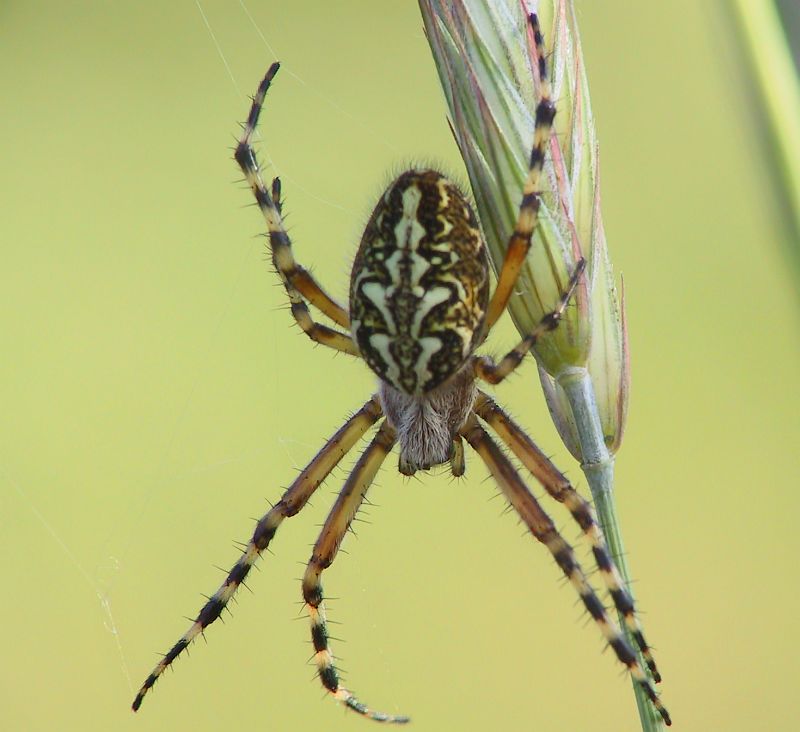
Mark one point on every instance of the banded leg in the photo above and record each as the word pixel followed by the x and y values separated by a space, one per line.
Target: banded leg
pixel 292 501
pixel 494 373
pixel 528 216
pixel 542 527
pixel 322 556
pixel 557 486
pixel 299 283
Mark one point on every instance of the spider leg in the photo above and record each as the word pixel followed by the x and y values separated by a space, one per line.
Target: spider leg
pixel 458 465
pixel 494 373
pixel 322 556
pixel 528 217
pixel 542 527
pixel 300 277
pixel 299 283
pixel 292 501
pixel 557 485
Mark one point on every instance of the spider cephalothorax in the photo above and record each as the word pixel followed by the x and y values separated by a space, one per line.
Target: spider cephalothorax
pixel 419 308
pixel 418 297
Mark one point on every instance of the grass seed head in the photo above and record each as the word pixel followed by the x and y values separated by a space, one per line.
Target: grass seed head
pixel 489 70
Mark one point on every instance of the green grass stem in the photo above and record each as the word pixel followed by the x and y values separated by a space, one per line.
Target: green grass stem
pixel 598 467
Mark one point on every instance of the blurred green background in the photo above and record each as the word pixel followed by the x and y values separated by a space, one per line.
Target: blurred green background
pixel 154 394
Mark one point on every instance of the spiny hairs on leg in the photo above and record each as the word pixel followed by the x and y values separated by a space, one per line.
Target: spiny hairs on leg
pixel 298 282
pixel 292 501
pixel 484 366
pixel 528 215
pixel 563 491
pixel 543 529
pixel 325 549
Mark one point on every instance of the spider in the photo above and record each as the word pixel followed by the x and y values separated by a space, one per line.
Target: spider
pixel 419 308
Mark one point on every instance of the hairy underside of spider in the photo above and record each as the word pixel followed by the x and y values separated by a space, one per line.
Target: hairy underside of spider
pixel 420 305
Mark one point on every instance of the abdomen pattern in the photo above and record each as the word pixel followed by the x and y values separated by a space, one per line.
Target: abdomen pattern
pixel 420 283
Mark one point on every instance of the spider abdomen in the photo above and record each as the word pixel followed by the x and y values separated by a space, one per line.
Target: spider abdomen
pixel 420 284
